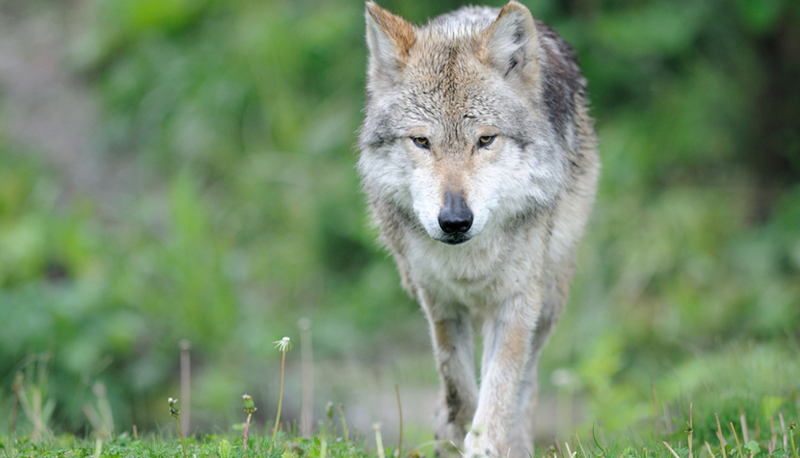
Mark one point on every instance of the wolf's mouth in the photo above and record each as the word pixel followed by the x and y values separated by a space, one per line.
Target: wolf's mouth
pixel 454 239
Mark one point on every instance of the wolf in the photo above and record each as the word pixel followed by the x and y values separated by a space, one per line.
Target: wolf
pixel 479 161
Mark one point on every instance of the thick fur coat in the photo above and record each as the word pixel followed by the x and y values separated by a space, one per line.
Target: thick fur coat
pixel 479 159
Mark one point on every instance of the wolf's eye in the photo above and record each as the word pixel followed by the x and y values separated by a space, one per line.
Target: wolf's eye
pixel 421 142
pixel 486 140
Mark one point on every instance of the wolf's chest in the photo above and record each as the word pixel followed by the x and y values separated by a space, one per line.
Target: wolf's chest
pixel 473 274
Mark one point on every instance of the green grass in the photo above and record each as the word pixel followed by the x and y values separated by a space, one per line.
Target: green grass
pixel 766 442
pixel 754 390
pixel 169 445
pixel 208 446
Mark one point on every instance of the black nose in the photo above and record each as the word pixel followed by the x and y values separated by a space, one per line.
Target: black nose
pixel 455 217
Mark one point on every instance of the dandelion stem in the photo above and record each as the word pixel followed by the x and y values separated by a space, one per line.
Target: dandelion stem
pixel 246 428
pixel 173 410
pixel 180 433
pixel 249 408
pixel 283 345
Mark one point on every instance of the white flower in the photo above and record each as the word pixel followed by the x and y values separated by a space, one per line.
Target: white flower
pixel 283 344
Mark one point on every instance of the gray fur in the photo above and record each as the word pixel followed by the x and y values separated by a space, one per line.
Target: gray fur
pixel 480 73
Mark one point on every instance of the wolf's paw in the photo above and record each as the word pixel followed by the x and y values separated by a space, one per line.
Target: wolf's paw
pixel 449 440
pixel 449 435
pixel 477 445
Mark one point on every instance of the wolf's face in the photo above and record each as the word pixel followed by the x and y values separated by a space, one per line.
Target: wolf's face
pixel 455 134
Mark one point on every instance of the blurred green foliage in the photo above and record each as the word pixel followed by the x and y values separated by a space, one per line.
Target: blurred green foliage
pixel 240 209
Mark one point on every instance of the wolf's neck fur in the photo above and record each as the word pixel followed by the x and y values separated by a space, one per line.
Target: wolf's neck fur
pixel 484 270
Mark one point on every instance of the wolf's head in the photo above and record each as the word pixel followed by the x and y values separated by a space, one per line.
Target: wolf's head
pixel 456 136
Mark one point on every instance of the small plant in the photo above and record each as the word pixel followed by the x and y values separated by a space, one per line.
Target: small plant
pixel 249 408
pixel 173 410
pixel 224 449
pixel 283 346
pixel 753 448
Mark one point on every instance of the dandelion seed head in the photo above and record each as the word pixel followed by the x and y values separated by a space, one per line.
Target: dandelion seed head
pixel 284 344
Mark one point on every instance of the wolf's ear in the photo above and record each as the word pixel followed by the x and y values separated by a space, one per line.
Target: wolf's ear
pixel 511 44
pixel 389 38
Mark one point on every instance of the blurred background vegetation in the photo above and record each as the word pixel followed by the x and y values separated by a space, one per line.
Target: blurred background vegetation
pixel 176 169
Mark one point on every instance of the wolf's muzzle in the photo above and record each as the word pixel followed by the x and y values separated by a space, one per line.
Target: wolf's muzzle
pixel 455 218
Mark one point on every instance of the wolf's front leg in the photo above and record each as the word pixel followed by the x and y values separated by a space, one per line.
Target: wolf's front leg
pixel 507 334
pixel 454 350
pixel 522 426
